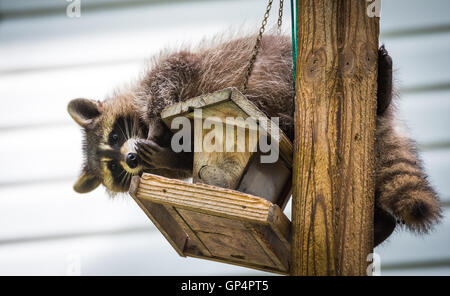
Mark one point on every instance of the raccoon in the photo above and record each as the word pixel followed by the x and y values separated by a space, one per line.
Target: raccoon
pixel 124 135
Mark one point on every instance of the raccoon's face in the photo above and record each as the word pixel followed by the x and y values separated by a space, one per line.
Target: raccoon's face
pixel 109 144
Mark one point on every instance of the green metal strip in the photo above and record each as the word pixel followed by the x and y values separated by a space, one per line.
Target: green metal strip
pixel 294 36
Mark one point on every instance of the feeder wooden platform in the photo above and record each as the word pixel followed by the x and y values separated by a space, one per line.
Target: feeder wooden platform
pixel 233 211
pixel 215 223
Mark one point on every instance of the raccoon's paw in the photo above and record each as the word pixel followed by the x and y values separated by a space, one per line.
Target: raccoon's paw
pixel 384 225
pixel 419 214
pixel 384 80
pixel 153 156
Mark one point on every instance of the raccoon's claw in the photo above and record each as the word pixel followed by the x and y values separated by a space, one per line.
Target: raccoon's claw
pixel 148 146
pixel 144 161
pixel 384 80
pixel 384 225
pixel 151 155
pixel 146 151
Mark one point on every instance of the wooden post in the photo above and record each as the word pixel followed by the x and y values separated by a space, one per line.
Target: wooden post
pixel 336 85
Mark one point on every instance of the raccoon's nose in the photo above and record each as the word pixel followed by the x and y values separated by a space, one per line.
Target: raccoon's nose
pixel 132 160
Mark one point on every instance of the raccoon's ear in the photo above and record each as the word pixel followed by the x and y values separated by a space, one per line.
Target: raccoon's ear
pixel 86 183
pixel 83 111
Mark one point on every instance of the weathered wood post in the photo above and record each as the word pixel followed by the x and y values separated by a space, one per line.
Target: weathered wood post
pixel 336 85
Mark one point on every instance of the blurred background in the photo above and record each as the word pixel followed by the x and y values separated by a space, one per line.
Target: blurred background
pixel 48 58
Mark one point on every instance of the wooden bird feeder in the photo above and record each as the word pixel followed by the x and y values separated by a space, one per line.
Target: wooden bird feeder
pixel 233 212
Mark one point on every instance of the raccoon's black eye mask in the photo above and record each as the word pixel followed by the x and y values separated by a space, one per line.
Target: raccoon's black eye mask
pixel 120 177
pixel 113 138
pixel 115 168
pixel 123 129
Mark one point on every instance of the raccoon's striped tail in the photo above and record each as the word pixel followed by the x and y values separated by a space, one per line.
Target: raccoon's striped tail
pixel 402 188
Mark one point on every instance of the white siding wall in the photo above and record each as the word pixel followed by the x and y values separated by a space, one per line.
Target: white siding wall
pixel 46 59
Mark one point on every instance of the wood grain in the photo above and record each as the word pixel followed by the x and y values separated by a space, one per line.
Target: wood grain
pixel 203 198
pixel 334 131
pixel 158 214
pixel 215 223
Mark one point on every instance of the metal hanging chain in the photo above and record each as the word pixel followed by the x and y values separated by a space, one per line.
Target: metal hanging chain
pixel 259 38
pixel 257 45
pixel 280 18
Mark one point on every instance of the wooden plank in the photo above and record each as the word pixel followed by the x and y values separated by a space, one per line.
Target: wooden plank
pixel 161 218
pixel 333 182
pixel 200 221
pixel 272 245
pixel 191 235
pixel 221 224
pixel 280 225
pixel 240 263
pixel 236 245
pixel 188 106
pixel 223 169
pixel 203 198
pixel 226 238
pixel 285 146
pixel 227 232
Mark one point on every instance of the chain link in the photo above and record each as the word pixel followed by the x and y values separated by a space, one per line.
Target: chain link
pixel 257 45
pixel 259 38
pixel 280 18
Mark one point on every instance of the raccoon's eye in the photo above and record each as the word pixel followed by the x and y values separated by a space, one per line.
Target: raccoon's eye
pixel 114 138
pixel 113 166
